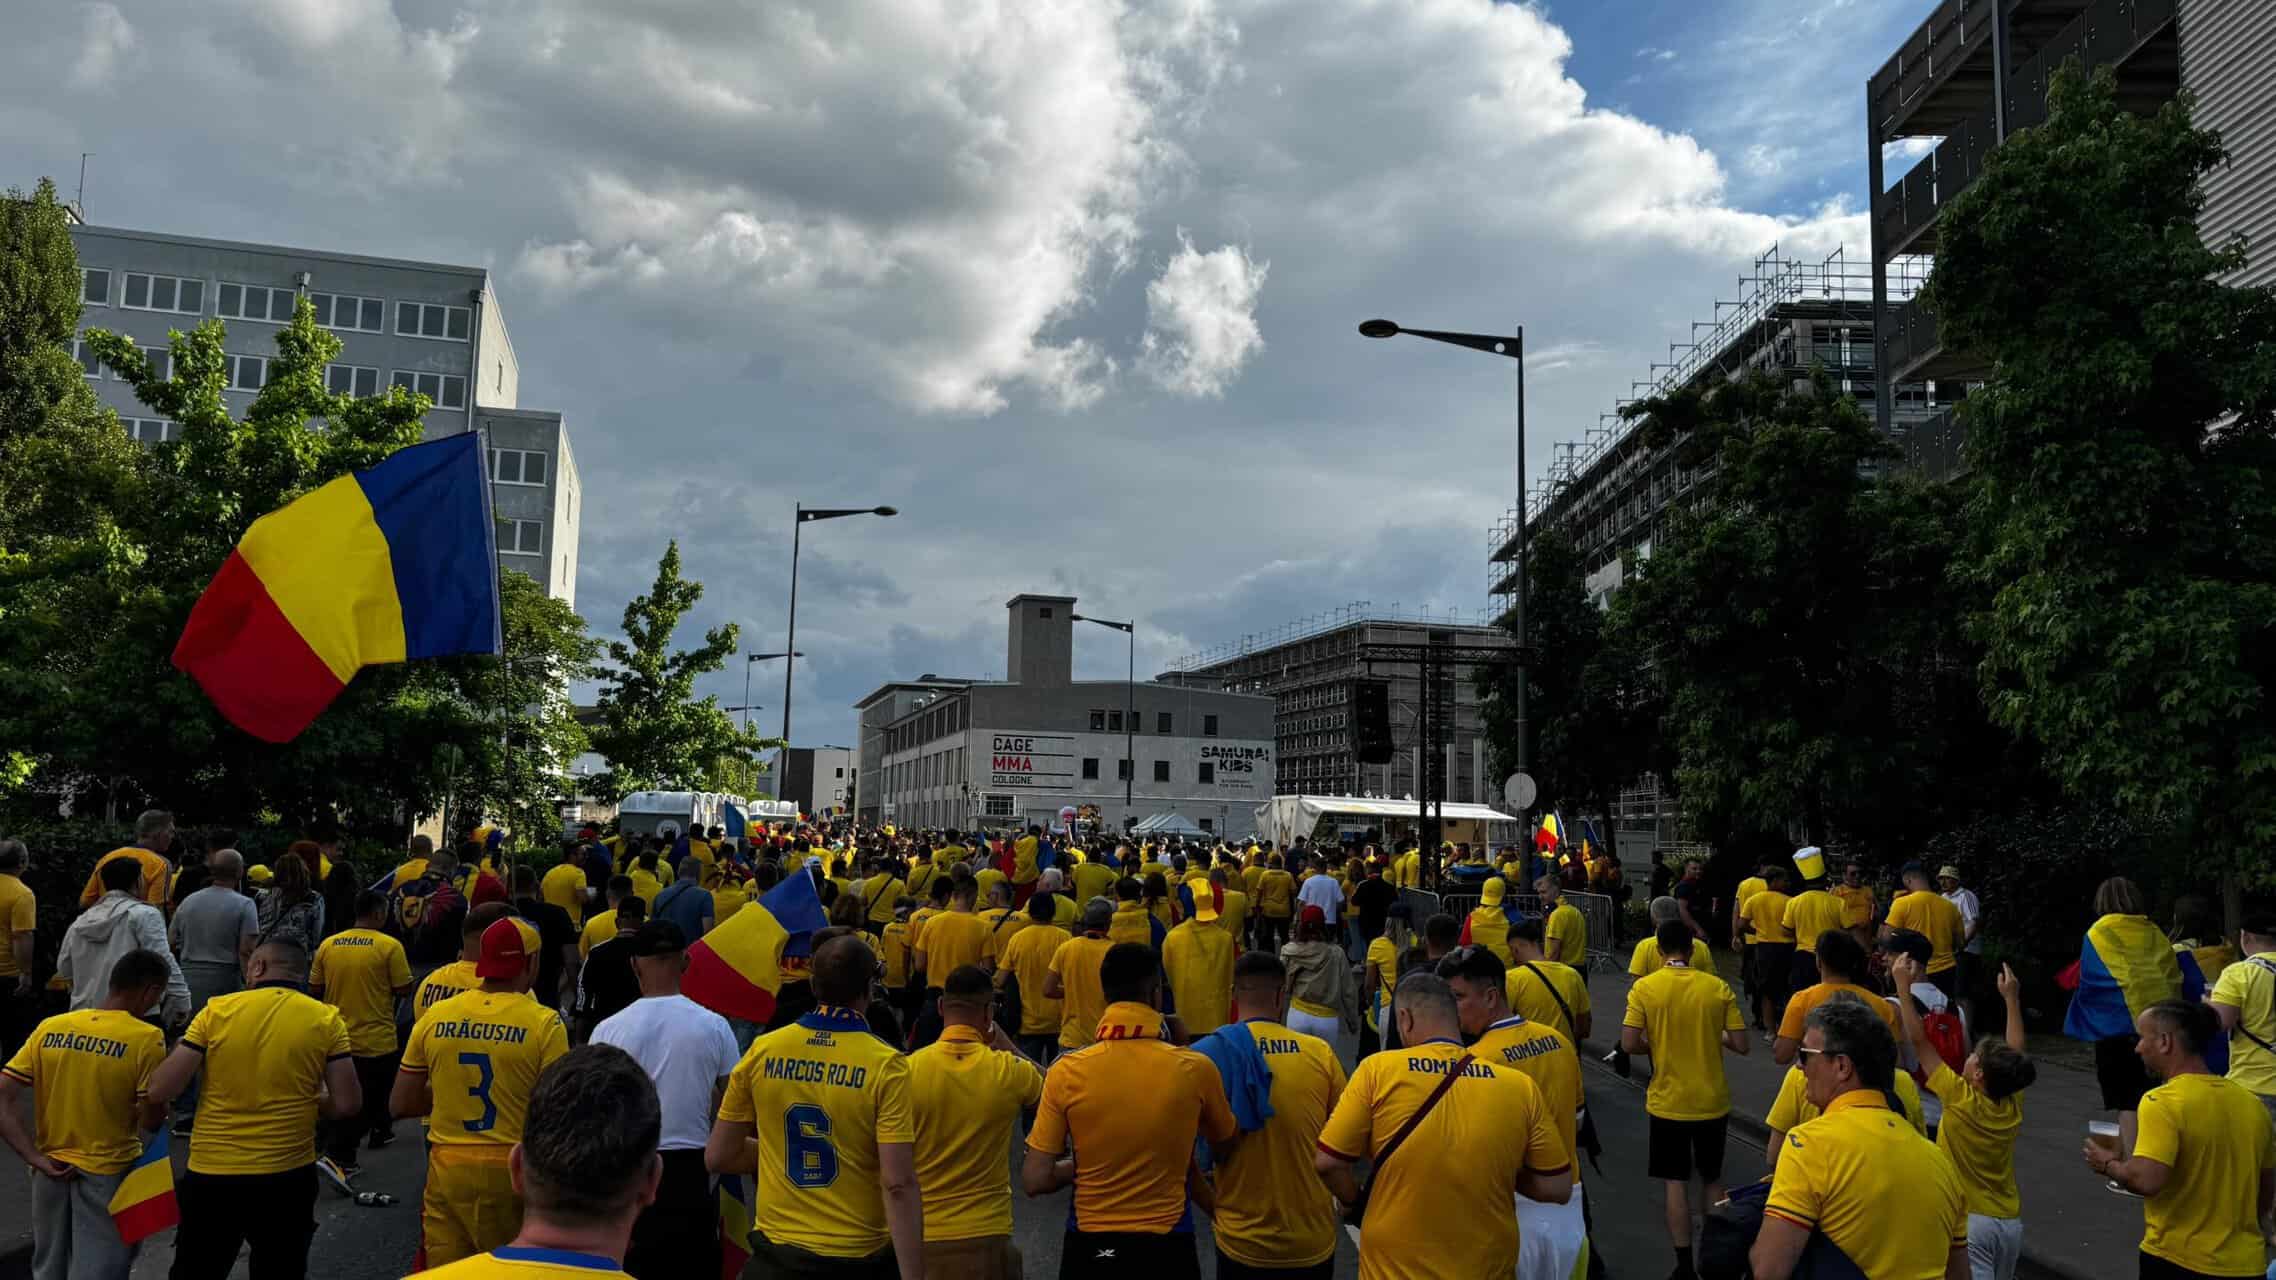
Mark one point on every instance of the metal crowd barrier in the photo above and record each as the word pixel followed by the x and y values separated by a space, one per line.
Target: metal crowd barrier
pixel 1597 912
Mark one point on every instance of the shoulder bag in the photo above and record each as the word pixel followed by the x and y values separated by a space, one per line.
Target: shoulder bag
pixel 1358 1209
pixel 1585 1136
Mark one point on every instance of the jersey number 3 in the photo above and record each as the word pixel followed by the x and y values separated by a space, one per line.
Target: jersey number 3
pixel 809 1157
pixel 480 1090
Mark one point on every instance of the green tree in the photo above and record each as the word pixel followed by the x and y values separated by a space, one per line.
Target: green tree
pixel 2123 469
pixel 655 733
pixel 1798 624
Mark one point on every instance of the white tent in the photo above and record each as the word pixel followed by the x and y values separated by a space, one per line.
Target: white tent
pixel 1168 824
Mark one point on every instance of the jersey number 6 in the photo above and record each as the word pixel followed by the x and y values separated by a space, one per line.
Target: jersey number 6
pixel 809 1158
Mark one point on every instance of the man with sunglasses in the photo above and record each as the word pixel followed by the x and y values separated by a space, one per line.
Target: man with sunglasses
pixel 1858 1172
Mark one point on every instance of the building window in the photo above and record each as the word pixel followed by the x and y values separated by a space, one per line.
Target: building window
pixel 1209 825
pixel 246 373
pixel 252 302
pixel 1098 719
pixel 1161 722
pixel 93 368
pixel 1122 771
pixel 1114 722
pixel 351 380
pixel 1208 772
pixel 840 772
pixel 517 466
pixel 430 320
pixel 161 362
pixel 1208 726
pixel 1161 771
pixel 1090 767
pixel 357 315
pixel 1043 612
pixel 521 537
pixel 996 805
pixel 150 430
pixel 95 286
pixel 444 390
pixel 146 292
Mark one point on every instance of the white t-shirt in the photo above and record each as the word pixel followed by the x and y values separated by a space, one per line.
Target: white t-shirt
pixel 686 1049
pixel 1323 892
pixel 1964 900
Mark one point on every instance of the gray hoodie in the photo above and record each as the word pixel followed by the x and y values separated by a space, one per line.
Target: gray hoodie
pixel 119 922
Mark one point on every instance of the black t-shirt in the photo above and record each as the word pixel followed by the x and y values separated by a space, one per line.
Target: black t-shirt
pixel 1373 896
pixel 607 982
pixel 553 932
pixel 1694 894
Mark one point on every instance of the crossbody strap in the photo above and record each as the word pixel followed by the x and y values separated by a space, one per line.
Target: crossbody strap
pixel 2269 968
pixel 1399 1139
pixel 1572 1024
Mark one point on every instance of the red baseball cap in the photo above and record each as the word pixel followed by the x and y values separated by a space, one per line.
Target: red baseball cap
pixel 506 948
pixel 1309 915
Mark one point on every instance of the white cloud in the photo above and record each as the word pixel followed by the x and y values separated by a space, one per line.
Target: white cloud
pixel 1652 53
pixel 1765 161
pixel 107 37
pixel 1201 323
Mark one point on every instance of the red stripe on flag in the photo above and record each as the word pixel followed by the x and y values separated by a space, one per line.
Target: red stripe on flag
pixel 143 1219
pixel 714 984
pixel 245 653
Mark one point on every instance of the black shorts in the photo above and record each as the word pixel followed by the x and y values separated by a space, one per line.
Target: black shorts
pixel 1681 1149
pixel 1805 970
pixel 2156 1268
pixel 1139 1255
pixel 1235 1269
pixel 2120 1073
pixel 771 1260
pixel 1775 962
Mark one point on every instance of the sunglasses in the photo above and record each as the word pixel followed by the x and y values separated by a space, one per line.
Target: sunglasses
pixel 1808 1053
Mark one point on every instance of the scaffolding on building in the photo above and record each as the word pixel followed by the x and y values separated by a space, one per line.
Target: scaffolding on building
pixel 1327 620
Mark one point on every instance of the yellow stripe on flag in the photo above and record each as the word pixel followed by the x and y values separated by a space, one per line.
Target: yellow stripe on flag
pixel 320 553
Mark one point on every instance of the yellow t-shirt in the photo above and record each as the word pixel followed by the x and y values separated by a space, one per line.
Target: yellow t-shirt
pixel 1252 877
pixel 966 1099
pixel 1842 1172
pixel 359 971
pixel 1744 894
pixel 1978 1135
pixel 952 939
pixel 726 900
pixel 157 875
pixel 917 920
pixel 2214 1134
pixel 1491 1125
pixel 1130 924
pixel 87 1069
pixel 987 878
pixel 455 978
pixel 2249 987
pixel 1027 957
pixel 1489 928
pixel 1810 913
pixel 1766 911
pixel 1233 916
pixel 645 885
pixel 1276 891
pixel 822 1094
pixel 265 1055
pixel 1792 1105
pixel 1566 926
pixel 1927 912
pixel 1646 958
pixel 1856 904
pixel 1799 1004
pixel 19 913
pixel 880 894
pixel 509 1263
pixel 1385 958
pixel 899 955
pixel 481 1053
pixel 1094 880
pixel 1406 870
pixel 1530 998
pixel 1131 1160
pixel 1684 1014
pixel 1272 1209
pixel 1004 924
pixel 1543 1055
pixel 598 930
pixel 564 887
pixel 1199 961
pixel 1064 912
pixel 920 882
pixel 1083 1001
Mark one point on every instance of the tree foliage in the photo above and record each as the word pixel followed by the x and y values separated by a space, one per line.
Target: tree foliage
pixel 2123 467
pixel 655 733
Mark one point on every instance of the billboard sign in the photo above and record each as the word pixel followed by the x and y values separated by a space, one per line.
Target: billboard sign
pixel 1032 761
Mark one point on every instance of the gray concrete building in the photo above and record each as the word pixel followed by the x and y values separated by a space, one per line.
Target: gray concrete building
pixel 819 779
pixel 997 754
pixel 435 328
pixel 1307 668
pixel 1976 71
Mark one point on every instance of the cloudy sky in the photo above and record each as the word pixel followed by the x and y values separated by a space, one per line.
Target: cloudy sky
pixel 1072 283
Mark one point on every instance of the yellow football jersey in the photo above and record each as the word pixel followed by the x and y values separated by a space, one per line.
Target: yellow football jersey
pixel 455 978
pixel 481 1053
pixel 359 972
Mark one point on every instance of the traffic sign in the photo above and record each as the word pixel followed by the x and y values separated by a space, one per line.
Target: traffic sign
pixel 1520 791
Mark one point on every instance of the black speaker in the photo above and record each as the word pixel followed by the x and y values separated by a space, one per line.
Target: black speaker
pixel 1371 721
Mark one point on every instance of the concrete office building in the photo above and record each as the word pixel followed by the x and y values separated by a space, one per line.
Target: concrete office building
pixel 1307 669
pixel 1016 751
pixel 1975 71
pixel 434 328
pixel 819 779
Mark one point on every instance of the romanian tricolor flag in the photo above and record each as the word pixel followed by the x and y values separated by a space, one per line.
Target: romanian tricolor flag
pixel 736 969
pixel 385 565
pixel 734 1227
pixel 144 1204
pixel 2126 965
pixel 1550 834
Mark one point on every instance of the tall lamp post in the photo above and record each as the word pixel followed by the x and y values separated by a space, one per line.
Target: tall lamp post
pixel 751 660
pixel 1129 708
pixel 805 515
pixel 1511 347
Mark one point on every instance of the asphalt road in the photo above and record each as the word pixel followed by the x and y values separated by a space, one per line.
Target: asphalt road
pixel 359 1243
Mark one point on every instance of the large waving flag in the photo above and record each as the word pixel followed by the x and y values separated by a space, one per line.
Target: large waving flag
pixel 1550 833
pixel 2125 966
pixel 385 565
pixel 734 1227
pixel 736 969
pixel 144 1204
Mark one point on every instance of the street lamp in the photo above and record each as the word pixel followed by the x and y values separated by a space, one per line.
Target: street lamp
pixel 750 660
pixel 1512 347
pixel 790 642
pixel 1129 707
